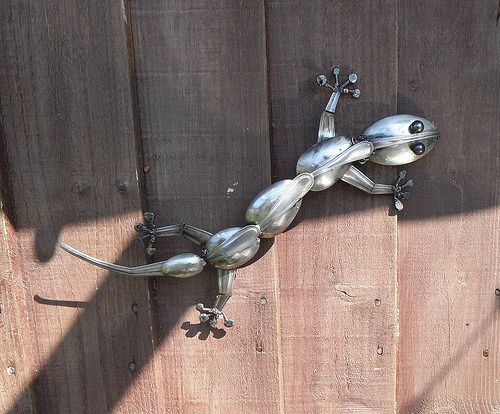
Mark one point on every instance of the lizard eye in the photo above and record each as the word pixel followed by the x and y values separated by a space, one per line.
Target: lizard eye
pixel 416 127
pixel 418 148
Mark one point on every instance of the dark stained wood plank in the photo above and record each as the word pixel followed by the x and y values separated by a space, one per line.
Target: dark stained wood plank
pixel 201 69
pixel 69 171
pixel 341 257
pixel 448 247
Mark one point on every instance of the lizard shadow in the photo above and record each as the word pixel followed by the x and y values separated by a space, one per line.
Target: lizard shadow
pixel 61 174
pixel 203 330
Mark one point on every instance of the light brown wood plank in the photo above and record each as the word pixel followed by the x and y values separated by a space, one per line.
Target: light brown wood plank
pixel 448 246
pixel 340 258
pixel 69 172
pixel 15 330
pixel 201 72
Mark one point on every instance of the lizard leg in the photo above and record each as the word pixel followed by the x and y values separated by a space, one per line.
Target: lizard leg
pixel 150 232
pixel 211 315
pixel 359 180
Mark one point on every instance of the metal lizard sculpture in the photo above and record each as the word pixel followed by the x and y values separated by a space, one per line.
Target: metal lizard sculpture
pixel 395 140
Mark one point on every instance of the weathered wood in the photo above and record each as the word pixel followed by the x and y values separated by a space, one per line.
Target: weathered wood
pixel 189 94
pixel 69 165
pixel 16 333
pixel 448 238
pixel 201 71
pixel 340 259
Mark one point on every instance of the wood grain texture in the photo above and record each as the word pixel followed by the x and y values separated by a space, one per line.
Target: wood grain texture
pixel 69 171
pixel 448 247
pixel 341 257
pixel 201 72
pixel 207 103
pixel 16 332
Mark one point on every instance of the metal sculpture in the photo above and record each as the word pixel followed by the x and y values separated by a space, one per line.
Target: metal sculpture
pixel 395 140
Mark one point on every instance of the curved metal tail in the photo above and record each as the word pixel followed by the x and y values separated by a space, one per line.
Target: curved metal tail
pixel 153 269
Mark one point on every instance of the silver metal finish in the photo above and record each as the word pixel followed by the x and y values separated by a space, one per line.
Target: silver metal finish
pixel 150 232
pixel 338 88
pixel 233 247
pixel 182 266
pixel 211 315
pixel 358 152
pixel 261 205
pixel 291 195
pixel 399 193
pixel 395 140
pixel 326 126
pixel 357 179
pixel 320 154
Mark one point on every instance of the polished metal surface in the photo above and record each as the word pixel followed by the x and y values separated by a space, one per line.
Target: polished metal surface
pixel 399 190
pixel 292 194
pixel 183 265
pixel 397 139
pixel 233 247
pixel 338 88
pixel 211 315
pixel 394 140
pixel 262 204
pixel 319 155
pixel 358 152
pixel 326 126
pixel 357 179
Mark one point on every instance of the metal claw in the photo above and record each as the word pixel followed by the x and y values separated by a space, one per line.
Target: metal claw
pixel 356 93
pixel 409 183
pixel 336 73
pixel 150 217
pixel 147 231
pixel 228 323
pixel 399 194
pixel 338 88
pixel 140 227
pixel 323 81
pixel 401 176
pixel 212 315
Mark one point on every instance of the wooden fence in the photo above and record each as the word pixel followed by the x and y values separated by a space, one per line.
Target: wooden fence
pixel 189 108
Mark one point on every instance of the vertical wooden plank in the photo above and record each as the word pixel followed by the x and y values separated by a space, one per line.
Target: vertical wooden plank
pixel 204 117
pixel 338 347
pixel 15 330
pixel 69 168
pixel 448 248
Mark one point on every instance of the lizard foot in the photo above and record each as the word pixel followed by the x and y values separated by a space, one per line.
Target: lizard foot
pixel 398 190
pixel 147 232
pixel 212 315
